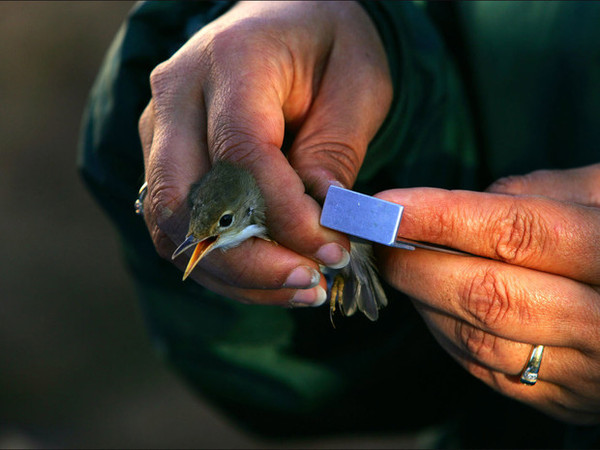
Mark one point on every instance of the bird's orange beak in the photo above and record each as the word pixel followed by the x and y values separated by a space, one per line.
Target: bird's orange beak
pixel 202 248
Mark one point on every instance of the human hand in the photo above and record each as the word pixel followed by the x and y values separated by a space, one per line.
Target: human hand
pixel 537 281
pixel 314 71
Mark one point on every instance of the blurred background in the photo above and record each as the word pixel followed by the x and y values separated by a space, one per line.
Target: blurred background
pixel 76 367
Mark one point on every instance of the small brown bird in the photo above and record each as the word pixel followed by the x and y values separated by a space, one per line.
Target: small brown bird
pixel 227 207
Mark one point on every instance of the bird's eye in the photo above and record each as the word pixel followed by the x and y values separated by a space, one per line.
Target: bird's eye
pixel 225 220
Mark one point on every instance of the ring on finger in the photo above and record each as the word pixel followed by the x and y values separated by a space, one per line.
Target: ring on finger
pixel 139 203
pixel 529 375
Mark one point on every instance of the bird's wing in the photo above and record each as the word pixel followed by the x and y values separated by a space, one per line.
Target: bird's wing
pixel 362 288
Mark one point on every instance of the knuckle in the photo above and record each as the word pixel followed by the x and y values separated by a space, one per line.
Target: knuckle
pixel 164 193
pixel 488 300
pixel 236 37
pixel 163 201
pixel 162 89
pixel 234 142
pixel 160 78
pixel 509 185
pixel 476 342
pixel 477 370
pixel 590 337
pixel 162 243
pixel 442 224
pixel 339 158
pixel 519 235
pixel 175 80
pixel 238 42
pixel 520 184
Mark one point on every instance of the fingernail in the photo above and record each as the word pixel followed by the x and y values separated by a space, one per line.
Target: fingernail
pixel 336 183
pixel 309 297
pixel 333 255
pixel 302 277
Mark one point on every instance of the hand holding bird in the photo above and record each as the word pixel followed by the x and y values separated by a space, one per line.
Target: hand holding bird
pixel 321 107
pixel 227 207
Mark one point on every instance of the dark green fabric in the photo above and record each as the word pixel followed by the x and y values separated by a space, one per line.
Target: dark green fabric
pixel 536 71
pixel 482 90
pixel 427 139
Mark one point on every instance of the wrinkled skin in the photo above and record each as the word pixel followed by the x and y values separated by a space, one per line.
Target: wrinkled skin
pixel 538 284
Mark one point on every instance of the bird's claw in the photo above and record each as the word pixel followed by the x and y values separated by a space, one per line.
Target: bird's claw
pixel 337 296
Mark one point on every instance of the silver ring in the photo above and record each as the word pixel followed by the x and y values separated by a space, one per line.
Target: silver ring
pixel 139 203
pixel 530 374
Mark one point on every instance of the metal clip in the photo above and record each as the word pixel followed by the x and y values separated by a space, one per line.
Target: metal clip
pixel 371 219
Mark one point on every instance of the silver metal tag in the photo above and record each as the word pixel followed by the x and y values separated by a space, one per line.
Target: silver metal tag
pixel 369 218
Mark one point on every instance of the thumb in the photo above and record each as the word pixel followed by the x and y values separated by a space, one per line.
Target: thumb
pixel 580 185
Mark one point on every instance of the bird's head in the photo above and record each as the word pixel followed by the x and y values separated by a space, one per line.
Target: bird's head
pixel 227 207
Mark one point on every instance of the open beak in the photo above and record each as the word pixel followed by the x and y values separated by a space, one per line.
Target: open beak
pixel 202 248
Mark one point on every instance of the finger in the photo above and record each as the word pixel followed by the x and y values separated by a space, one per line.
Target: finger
pixel 171 134
pixel 246 125
pixel 177 154
pixel 535 232
pixel 507 301
pixel 258 264
pixel 286 296
pixel 550 398
pixel 353 99
pixel 580 185
pixel 176 223
pixel 560 365
pixel 281 297
pixel 547 397
pixel 485 349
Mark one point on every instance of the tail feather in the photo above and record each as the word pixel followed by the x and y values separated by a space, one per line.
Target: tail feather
pixel 362 288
